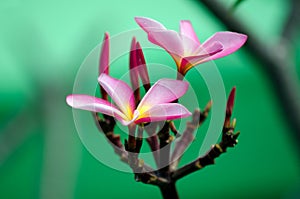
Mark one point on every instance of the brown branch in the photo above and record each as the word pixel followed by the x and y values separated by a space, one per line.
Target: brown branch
pixel 173 128
pixel 133 146
pixel 205 112
pixel 106 125
pixel 151 178
pixel 185 140
pixel 229 139
pixel 188 135
pixel 152 140
pixel 169 191
pixel 143 173
pixel 165 140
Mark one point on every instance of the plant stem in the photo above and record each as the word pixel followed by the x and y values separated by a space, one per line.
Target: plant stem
pixel 169 191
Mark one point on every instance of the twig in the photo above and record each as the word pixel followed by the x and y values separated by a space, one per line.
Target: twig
pixel 152 140
pixel 165 140
pixel 229 139
pixel 106 126
pixel 173 128
pixel 133 146
pixel 185 140
pixel 188 135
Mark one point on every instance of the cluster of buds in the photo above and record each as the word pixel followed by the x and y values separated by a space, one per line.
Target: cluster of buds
pixel 154 112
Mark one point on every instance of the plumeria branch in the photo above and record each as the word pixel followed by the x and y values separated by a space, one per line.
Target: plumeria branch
pixel 166 177
pixel 155 111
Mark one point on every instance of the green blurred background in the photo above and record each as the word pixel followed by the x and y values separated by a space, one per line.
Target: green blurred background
pixel 42 45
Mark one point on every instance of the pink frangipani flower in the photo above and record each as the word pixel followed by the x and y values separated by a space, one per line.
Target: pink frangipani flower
pixel 155 105
pixel 185 47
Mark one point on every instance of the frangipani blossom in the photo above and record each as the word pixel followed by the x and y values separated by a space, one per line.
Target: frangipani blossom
pixel 185 47
pixel 155 106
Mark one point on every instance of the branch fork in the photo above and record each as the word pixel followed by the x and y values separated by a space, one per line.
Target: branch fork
pixel 166 177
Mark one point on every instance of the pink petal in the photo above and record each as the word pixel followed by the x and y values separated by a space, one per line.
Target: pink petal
pixel 187 30
pixel 90 103
pixel 104 56
pixel 136 114
pixel 189 45
pixel 168 40
pixel 120 92
pixel 193 59
pixel 148 24
pixel 161 112
pixel 204 55
pixel 190 61
pixel 163 91
pixel 211 49
pixel 230 41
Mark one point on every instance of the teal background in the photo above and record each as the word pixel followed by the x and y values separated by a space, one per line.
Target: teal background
pixel 42 45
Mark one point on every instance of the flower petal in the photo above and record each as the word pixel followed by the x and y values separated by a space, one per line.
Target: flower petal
pixel 148 24
pixel 168 40
pixel 120 92
pixel 187 30
pixel 190 61
pixel 136 114
pixel 161 112
pixel 90 103
pixel 163 91
pixel 230 41
pixel 189 37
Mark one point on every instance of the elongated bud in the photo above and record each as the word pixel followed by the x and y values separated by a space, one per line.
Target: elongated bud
pixel 230 102
pixel 133 71
pixel 229 107
pixel 142 67
pixel 104 62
